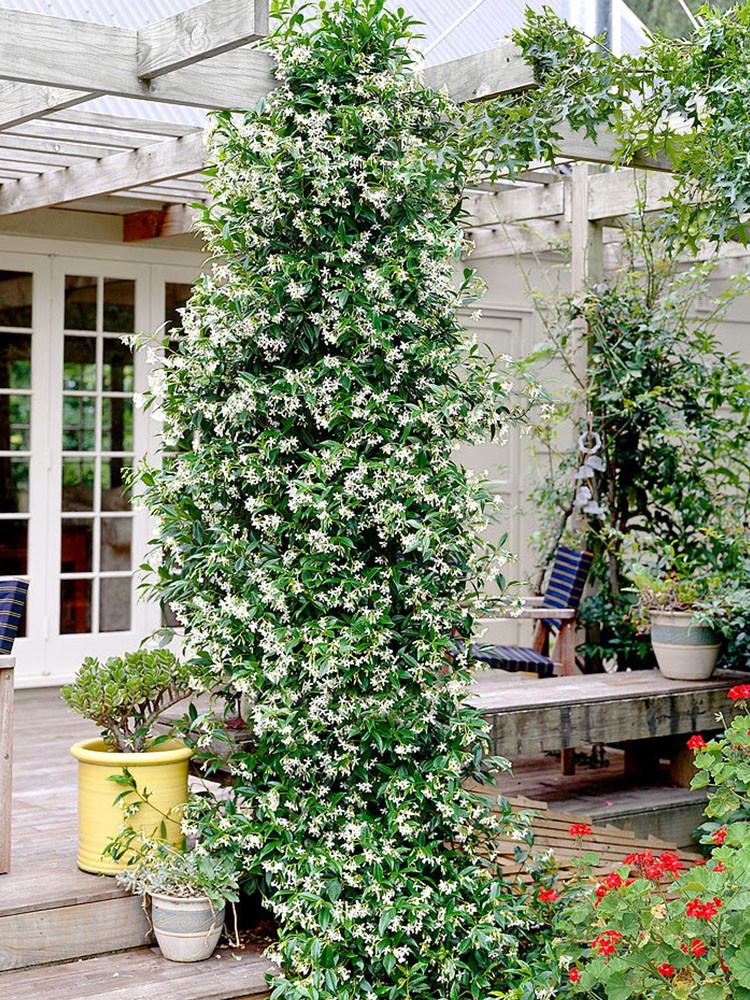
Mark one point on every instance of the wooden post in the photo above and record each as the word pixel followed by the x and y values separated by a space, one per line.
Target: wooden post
pixel 585 268
pixel 7 663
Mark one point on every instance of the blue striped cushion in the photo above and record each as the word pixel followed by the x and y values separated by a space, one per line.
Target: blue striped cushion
pixel 12 599
pixel 513 658
pixel 566 582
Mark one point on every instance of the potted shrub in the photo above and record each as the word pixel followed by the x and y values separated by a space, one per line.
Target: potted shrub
pixel 684 649
pixel 125 696
pixel 188 892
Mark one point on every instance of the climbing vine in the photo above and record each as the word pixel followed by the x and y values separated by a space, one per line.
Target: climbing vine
pixel 316 536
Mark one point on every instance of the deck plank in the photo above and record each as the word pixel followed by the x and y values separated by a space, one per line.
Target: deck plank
pixel 142 975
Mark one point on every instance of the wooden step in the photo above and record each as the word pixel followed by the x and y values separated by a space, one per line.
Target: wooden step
pixel 143 975
pixel 664 811
pixel 52 912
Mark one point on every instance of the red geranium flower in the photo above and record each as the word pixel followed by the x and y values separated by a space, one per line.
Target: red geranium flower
pixel 696 743
pixel 698 948
pixel 574 975
pixel 720 835
pixel 605 942
pixel 580 830
pixel 666 970
pixel 547 895
pixel 739 693
pixel 703 911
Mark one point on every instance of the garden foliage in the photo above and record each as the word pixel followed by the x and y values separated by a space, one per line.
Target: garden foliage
pixel 656 926
pixel 671 408
pixel 316 536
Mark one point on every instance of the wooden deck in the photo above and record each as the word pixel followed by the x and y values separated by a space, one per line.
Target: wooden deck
pixel 50 912
pixel 529 716
pixel 66 935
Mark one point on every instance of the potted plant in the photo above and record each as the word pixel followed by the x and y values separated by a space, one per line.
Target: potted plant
pixel 188 892
pixel 125 697
pixel 684 649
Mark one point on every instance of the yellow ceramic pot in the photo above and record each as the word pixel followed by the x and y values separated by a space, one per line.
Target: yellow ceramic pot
pixel 162 771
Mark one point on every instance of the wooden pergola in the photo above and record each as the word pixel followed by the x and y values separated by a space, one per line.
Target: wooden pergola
pixel 56 153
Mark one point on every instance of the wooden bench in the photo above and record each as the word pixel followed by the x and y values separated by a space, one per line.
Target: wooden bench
pixel 530 716
pixel 7 663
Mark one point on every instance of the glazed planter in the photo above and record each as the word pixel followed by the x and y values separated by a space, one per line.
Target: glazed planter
pixel 162 771
pixel 186 929
pixel 684 652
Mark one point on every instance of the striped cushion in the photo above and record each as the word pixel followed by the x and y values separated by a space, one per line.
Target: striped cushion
pixel 513 658
pixel 12 599
pixel 566 582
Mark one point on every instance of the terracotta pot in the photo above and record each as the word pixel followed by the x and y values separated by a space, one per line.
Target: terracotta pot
pixel 684 652
pixel 187 930
pixel 162 771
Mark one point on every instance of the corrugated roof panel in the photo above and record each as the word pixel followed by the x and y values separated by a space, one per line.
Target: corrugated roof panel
pixel 123 14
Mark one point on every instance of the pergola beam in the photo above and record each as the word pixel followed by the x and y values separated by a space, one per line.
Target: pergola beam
pixel 100 59
pixel 200 32
pixel 22 102
pixel 614 196
pixel 158 161
pixel 482 75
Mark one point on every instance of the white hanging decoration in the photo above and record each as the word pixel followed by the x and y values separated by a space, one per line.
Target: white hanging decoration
pixel 589 443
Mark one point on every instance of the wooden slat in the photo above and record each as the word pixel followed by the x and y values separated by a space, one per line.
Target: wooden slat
pixel 78 150
pixel 71 931
pixel 199 32
pixel 517 205
pixel 155 162
pixel 7 664
pixel 123 123
pixel 612 196
pixel 22 102
pixel 143 974
pixel 508 239
pixel 482 75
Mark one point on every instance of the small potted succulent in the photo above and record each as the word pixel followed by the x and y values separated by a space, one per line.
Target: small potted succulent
pixel 684 649
pixel 125 697
pixel 188 892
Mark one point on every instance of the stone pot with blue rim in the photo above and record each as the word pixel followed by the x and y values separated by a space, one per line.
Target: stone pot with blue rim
pixel 684 651
pixel 187 929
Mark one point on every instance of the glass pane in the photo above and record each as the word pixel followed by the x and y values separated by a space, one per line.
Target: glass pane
pixel 14 485
pixel 79 366
pixel 15 361
pixel 117 425
pixel 15 423
pixel 77 484
pixel 117 375
pixel 15 298
pixel 119 305
pixel 176 295
pixel 114 605
pixel 79 423
pixel 114 471
pixel 80 302
pixel 75 606
pixel 115 543
pixel 14 547
pixel 77 545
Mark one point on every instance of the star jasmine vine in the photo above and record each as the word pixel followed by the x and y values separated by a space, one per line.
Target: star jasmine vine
pixel 314 532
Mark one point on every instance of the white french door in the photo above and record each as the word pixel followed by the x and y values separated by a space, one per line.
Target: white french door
pixel 69 434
